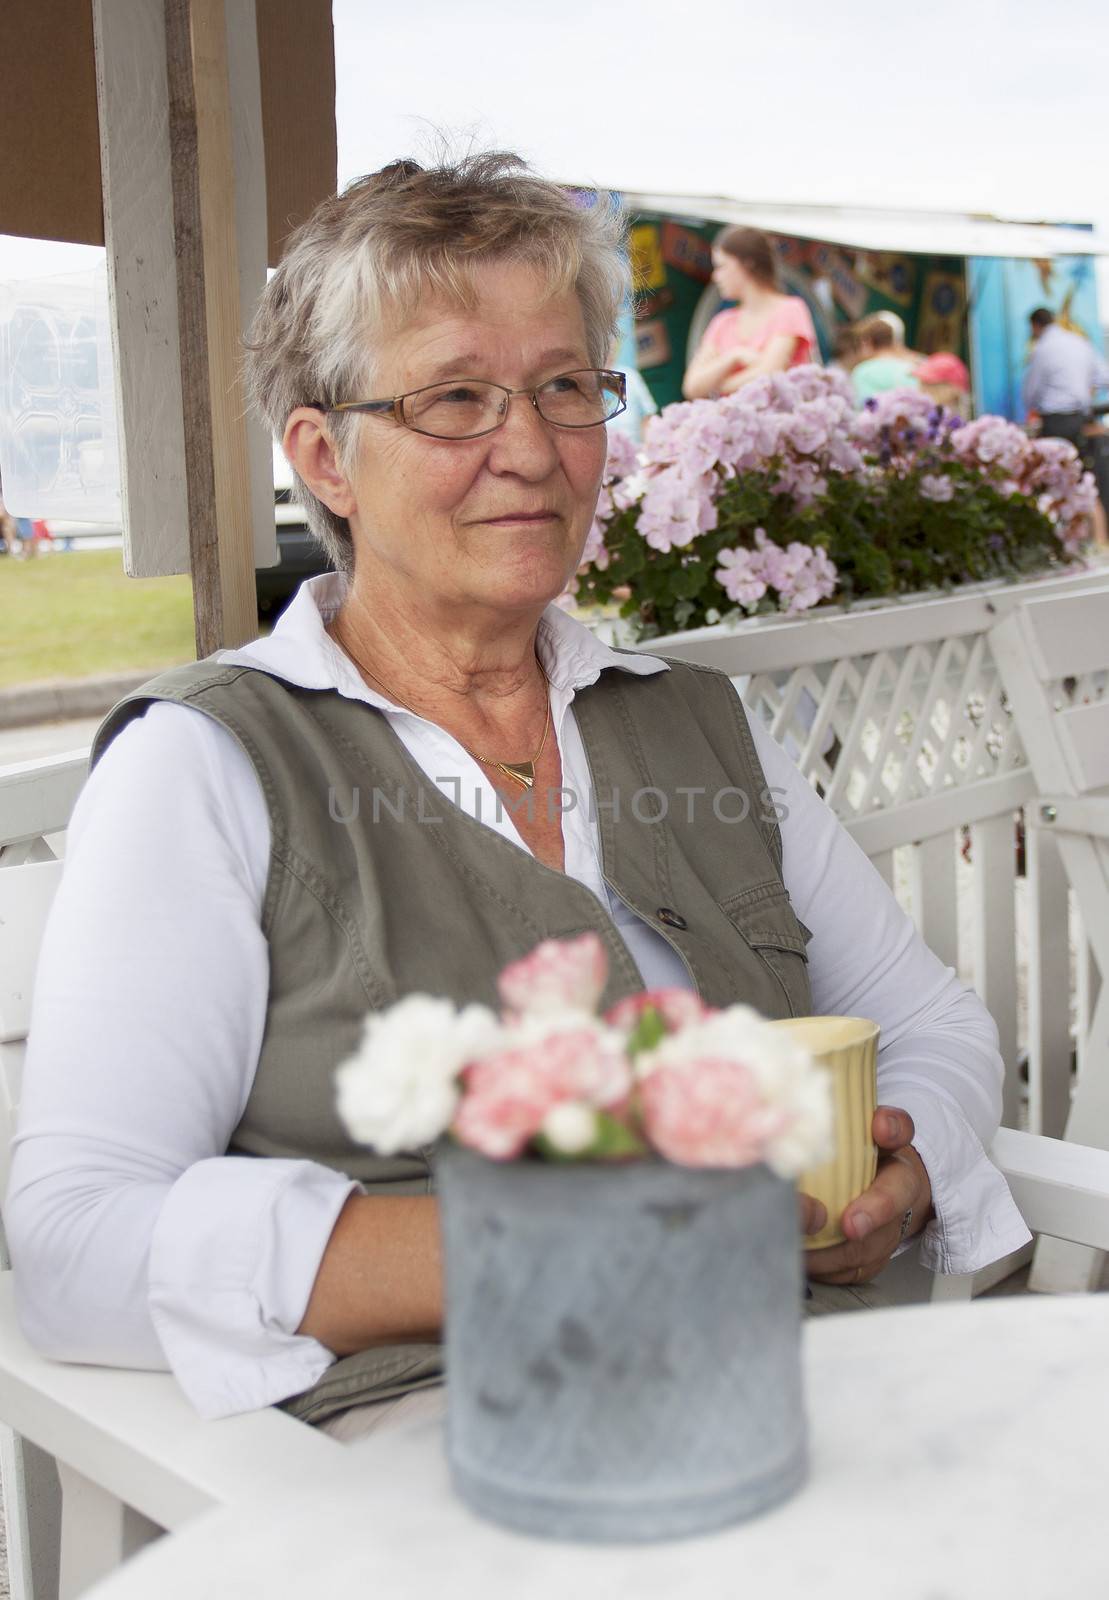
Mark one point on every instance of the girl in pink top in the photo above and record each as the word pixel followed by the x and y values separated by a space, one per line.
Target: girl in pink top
pixel 767 332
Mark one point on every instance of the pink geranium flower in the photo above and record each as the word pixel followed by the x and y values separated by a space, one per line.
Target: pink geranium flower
pixel 595 553
pixel 934 486
pixel 558 975
pixel 622 455
pixel 740 575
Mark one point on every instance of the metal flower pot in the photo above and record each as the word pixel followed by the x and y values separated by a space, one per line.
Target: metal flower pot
pixel 622 1344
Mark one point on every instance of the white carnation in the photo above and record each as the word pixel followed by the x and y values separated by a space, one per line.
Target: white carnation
pixel 807 1141
pixel 399 1090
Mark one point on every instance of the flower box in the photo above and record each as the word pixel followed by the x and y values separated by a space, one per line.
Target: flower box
pixel 783 497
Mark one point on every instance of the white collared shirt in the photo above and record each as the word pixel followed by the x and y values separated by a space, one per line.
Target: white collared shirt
pixel 138 1242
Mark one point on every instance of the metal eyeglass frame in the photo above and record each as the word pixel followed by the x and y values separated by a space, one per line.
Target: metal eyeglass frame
pixel 394 407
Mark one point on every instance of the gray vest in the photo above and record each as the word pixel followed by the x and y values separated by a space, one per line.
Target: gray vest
pixel 379 887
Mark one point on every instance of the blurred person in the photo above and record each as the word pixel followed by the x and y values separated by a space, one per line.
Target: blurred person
pixel 25 531
pixel 896 326
pixel 945 379
pixel 880 368
pixel 9 532
pixel 17 534
pixel 1064 371
pixel 1061 381
pixel 765 331
pixel 845 350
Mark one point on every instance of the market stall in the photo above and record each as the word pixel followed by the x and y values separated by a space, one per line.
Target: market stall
pixel 959 282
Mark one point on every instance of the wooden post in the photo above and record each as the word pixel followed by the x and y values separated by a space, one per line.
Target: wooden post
pixel 142 286
pixel 244 80
pixel 216 462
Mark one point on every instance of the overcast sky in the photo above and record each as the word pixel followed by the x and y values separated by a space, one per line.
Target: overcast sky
pixel 998 105
pixel 994 105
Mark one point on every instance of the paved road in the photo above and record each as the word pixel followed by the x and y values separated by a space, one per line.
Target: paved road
pixel 45 739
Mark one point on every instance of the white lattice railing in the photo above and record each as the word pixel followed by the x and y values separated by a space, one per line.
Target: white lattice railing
pixel 896 714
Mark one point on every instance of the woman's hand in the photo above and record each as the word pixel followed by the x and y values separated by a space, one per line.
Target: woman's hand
pixel 872 1223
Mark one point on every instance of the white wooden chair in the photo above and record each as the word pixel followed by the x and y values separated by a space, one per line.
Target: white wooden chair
pixel 133 1458
pixel 1052 654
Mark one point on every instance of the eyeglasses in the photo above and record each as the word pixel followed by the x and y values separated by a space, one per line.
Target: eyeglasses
pixel 466 408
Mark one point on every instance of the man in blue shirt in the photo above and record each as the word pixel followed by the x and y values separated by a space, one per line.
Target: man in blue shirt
pixel 1063 372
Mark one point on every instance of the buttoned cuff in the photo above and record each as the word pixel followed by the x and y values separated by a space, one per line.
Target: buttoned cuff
pixel 233 1261
pixel 976 1218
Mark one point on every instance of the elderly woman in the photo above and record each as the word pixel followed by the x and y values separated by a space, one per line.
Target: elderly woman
pixel 424 771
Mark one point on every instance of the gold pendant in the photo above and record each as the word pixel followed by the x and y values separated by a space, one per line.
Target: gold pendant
pixel 522 771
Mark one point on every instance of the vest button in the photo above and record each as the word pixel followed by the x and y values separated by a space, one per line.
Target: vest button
pixel 671 918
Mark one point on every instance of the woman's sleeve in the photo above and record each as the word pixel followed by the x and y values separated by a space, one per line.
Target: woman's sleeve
pixel 938 1058
pixel 793 316
pixel 136 1240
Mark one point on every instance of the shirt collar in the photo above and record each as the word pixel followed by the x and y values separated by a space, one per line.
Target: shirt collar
pixel 301 651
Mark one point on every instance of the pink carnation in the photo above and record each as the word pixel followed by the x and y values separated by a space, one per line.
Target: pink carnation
pixel 558 975
pixel 676 1007
pixel 507 1096
pixel 708 1113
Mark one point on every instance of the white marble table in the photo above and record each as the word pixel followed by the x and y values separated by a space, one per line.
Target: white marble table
pixel 959 1452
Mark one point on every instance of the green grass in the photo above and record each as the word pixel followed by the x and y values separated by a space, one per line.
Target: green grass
pixel 76 614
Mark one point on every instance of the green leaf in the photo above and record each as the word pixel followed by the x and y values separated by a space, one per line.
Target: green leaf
pixel 649 1031
pixel 614 1141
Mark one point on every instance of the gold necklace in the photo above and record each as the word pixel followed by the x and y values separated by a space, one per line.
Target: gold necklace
pixel 522 771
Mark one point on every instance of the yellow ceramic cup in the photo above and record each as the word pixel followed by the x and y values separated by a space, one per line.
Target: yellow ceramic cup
pixel 848 1048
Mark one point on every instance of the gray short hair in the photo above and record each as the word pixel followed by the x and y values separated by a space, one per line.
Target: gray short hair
pixel 368 256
